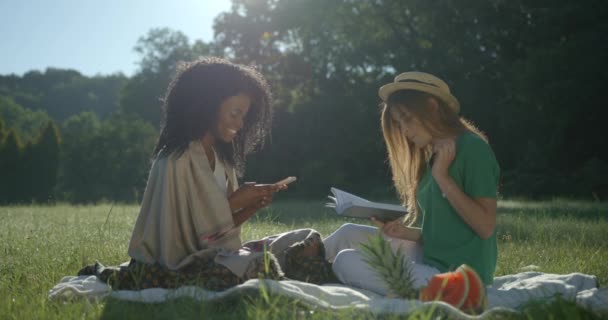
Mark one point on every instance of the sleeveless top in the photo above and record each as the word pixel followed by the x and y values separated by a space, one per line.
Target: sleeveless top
pixel 220 173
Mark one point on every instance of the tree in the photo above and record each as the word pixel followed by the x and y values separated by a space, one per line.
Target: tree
pixel 3 160
pixel 126 144
pixel 76 161
pixel 43 154
pixel 61 93
pixel 107 160
pixel 12 186
pixel 161 50
pixel 27 123
pixel 510 63
pixel 2 132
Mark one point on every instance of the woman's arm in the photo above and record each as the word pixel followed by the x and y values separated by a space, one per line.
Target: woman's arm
pixel 250 195
pixel 396 229
pixel 243 215
pixel 478 213
pixel 248 199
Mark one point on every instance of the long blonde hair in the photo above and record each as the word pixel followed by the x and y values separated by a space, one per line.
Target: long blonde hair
pixel 408 162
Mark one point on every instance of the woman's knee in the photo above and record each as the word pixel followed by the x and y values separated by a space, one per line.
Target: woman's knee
pixel 351 269
pixel 347 236
pixel 346 261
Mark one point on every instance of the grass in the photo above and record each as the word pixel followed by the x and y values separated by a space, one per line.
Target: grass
pixel 41 244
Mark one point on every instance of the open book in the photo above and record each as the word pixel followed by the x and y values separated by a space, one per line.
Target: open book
pixel 349 205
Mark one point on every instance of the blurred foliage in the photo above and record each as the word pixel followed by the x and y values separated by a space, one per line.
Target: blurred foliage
pixel 29 171
pixel 528 73
pixel 62 93
pixel 105 160
pixel 25 121
pixel 160 50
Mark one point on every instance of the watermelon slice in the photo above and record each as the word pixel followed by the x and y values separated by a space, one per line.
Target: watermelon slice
pixel 476 300
pixel 461 288
pixel 450 287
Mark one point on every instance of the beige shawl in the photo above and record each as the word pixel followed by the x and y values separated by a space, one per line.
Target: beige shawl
pixel 185 214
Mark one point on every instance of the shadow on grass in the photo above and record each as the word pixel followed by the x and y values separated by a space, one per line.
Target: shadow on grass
pixel 557 308
pixel 238 307
pixel 182 308
pixel 275 307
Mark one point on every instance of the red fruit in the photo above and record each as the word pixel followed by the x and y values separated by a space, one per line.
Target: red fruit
pixel 475 302
pixel 462 289
pixel 450 287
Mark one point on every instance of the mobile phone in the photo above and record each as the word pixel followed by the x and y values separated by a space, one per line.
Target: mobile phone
pixel 287 180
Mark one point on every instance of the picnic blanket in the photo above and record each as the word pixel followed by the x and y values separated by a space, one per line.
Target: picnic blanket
pixel 507 294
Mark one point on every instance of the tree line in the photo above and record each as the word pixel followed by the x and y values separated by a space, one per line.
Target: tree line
pixel 529 74
pixel 83 160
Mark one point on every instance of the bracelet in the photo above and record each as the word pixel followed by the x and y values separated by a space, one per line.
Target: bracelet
pixel 444 194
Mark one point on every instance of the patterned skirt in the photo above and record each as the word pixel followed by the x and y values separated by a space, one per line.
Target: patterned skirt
pixel 303 261
pixel 203 272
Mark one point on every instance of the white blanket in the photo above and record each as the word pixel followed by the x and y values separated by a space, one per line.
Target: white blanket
pixel 506 295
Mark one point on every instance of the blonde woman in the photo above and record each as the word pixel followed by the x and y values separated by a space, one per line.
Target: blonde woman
pixel 446 175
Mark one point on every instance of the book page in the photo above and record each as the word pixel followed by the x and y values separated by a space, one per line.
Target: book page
pixel 332 202
pixel 385 206
pixel 368 212
pixel 344 200
pixel 344 197
pixel 350 205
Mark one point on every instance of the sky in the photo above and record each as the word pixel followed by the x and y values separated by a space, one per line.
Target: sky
pixel 93 37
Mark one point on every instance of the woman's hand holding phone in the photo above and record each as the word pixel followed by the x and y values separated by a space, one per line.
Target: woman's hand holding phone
pixel 255 195
pixel 251 197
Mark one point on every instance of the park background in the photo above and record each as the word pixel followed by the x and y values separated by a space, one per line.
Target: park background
pixel 80 90
pixel 530 74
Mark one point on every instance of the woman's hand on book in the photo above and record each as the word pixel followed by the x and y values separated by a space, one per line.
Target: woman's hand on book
pixel 396 229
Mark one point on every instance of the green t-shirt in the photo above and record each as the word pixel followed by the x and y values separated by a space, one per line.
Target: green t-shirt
pixel 449 241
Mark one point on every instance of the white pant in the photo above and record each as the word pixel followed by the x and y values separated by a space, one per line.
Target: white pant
pixel 342 246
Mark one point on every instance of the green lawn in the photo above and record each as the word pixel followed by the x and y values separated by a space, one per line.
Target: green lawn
pixel 41 244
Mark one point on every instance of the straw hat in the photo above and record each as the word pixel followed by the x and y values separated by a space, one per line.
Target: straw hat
pixel 421 81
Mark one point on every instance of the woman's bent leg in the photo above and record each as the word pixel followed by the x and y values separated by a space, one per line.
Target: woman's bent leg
pixel 351 269
pixel 348 236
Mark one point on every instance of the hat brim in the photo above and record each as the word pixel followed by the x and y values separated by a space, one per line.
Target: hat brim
pixel 386 90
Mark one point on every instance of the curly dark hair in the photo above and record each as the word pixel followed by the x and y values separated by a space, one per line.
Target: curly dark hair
pixel 191 105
